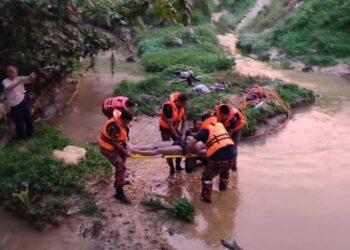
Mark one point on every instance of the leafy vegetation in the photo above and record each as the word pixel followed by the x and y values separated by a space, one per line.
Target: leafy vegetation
pixel 237 10
pixel 292 93
pixel 90 209
pixel 154 91
pixel 317 28
pixel 271 15
pixel 41 33
pixel 253 45
pixel 34 184
pixel 181 208
pixel 317 32
pixel 169 46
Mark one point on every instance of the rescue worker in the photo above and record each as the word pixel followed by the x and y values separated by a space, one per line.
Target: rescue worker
pixel 173 113
pixel 117 102
pixel 190 163
pixel 233 120
pixel 112 142
pixel 221 154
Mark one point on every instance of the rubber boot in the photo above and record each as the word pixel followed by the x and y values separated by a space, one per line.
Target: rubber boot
pixel 178 165
pixel 223 184
pixel 190 165
pixel 207 189
pixel 172 170
pixel 120 195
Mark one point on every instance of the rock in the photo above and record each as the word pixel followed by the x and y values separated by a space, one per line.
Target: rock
pixel 49 112
pixel 70 155
pixel 175 41
pixel 202 89
pixel 130 59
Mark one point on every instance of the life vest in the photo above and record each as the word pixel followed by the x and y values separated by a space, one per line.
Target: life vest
pixel 105 141
pixel 177 114
pixel 218 137
pixel 242 120
pixel 118 102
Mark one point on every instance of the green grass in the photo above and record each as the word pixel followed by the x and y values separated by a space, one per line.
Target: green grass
pixel 237 9
pixel 268 17
pixel 317 27
pixel 169 46
pixel 183 210
pixel 151 93
pixel 90 209
pixel 317 32
pixel 291 93
pixel 253 45
pixel 34 184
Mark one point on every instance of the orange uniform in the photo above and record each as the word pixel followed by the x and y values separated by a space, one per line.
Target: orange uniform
pixel 112 143
pixel 242 120
pixel 178 115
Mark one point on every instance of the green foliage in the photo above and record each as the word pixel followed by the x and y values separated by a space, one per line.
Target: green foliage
pixel 237 8
pixel 183 209
pixel 171 46
pixel 268 17
pixel 50 33
pixel 191 56
pixel 39 33
pixel 254 117
pixel 90 209
pixel 318 28
pixel 155 91
pixel 252 45
pixel 291 93
pixel 277 109
pixel 28 173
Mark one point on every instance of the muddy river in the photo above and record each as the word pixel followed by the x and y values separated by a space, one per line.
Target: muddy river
pixel 292 190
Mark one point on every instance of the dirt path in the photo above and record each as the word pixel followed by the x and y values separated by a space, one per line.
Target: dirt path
pixel 253 12
pixel 246 65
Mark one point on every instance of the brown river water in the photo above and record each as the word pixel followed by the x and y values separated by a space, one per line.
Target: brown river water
pixel 292 190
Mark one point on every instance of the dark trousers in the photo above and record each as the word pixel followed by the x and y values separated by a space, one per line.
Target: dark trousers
pixel 212 169
pixel 166 136
pixel 23 119
pixel 120 167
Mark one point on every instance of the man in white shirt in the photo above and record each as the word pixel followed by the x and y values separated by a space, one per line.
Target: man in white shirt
pixel 15 93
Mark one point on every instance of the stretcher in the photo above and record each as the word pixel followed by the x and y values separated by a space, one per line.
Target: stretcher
pixel 138 156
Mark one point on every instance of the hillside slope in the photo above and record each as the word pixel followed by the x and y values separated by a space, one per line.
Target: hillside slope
pixel 314 31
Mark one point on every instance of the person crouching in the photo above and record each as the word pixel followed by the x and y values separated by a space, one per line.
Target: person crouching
pixel 221 154
pixel 112 143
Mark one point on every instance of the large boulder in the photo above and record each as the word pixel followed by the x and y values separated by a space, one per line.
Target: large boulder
pixel 70 155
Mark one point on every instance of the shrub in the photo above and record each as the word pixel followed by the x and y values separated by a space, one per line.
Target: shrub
pixel 183 209
pixel 171 46
pixel 290 93
pixel 154 91
pixel 237 8
pixel 252 45
pixel 209 62
pixel 28 173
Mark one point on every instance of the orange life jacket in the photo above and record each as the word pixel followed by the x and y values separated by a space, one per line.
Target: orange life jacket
pixel 118 102
pixel 218 137
pixel 177 114
pixel 105 141
pixel 242 120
